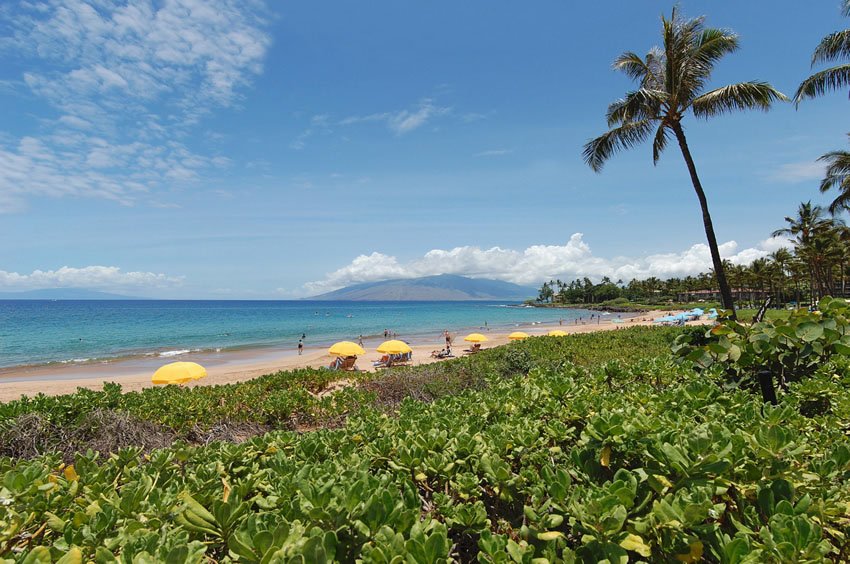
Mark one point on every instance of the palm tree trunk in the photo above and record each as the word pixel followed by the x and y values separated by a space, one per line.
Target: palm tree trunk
pixel 725 292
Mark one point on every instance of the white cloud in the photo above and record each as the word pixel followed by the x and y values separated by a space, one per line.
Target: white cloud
pixel 399 122
pixel 402 121
pixel 99 277
pixel 798 172
pixel 406 121
pixel 195 52
pixel 538 263
pixel 141 74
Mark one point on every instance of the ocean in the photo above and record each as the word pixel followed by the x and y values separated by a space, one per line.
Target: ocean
pixel 76 332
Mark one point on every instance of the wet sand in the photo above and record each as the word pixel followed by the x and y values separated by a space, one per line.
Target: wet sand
pixel 228 367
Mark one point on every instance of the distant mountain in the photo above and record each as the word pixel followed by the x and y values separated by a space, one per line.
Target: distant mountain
pixel 64 294
pixel 442 287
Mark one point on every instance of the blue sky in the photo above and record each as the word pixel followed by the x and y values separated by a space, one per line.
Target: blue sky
pixel 240 149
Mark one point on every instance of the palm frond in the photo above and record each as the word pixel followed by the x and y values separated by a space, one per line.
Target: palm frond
pixel 841 203
pixel 599 150
pixel 845 8
pixel 655 62
pixel 837 175
pixel 837 162
pixel 833 46
pixel 735 97
pixel 637 105
pixel 632 64
pixel 659 143
pixel 713 44
pixel 822 82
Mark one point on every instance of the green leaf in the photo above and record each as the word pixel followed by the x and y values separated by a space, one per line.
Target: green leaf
pixel 809 331
pixel 636 544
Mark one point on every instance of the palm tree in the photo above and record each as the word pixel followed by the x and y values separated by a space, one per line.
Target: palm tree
pixel 833 47
pixel 781 260
pixel 808 221
pixel 671 81
pixel 815 243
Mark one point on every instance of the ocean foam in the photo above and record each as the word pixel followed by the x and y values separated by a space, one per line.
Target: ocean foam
pixel 174 353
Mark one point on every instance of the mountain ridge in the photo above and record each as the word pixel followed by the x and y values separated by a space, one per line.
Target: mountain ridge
pixel 64 294
pixel 442 287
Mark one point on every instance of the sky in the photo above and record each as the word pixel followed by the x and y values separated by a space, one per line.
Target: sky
pixel 241 149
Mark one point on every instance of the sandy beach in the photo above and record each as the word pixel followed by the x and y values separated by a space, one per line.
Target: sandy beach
pixel 244 365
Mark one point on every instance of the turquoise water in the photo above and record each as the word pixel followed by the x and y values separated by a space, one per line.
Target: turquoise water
pixel 35 332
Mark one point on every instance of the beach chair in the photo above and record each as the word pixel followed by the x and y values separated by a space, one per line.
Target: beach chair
pixel 349 364
pixel 384 362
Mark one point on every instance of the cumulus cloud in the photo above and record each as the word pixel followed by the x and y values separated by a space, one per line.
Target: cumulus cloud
pixel 100 277
pixel 140 75
pixel 538 263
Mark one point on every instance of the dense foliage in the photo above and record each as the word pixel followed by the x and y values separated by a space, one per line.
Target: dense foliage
pixel 782 350
pixel 277 399
pixel 632 459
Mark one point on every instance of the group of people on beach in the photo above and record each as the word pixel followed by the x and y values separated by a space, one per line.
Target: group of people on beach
pixel 447 351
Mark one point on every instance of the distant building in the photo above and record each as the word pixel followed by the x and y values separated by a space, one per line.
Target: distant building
pixel 740 294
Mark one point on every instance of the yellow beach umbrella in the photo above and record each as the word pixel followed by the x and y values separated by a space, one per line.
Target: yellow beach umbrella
pixel 475 338
pixel 518 336
pixel 178 373
pixel 558 333
pixel 346 348
pixel 394 347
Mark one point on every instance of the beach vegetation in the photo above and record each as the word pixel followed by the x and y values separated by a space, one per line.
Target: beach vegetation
pixel 579 449
pixel 672 83
pixel 771 352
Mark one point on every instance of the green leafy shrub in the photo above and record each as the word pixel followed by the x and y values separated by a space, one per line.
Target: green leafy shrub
pixel 636 459
pixel 789 349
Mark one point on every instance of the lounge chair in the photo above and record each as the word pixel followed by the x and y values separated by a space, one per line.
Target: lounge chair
pixel 474 349
pixel 383 362
pixel 344 363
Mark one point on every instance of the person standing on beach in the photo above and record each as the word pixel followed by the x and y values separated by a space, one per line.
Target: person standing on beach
pixel 300 347
pixel 360 340
pixel 561 322
pixel 386 333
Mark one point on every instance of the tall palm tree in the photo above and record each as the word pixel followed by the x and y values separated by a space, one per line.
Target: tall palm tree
pixel 833 47
pixel 671 81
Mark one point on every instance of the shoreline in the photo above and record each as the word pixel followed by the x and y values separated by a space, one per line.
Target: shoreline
pixel 131 361
pixel 236 366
